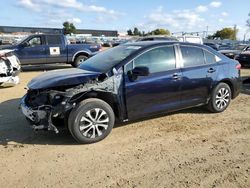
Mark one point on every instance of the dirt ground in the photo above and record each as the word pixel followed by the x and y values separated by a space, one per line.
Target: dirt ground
pixel 190 148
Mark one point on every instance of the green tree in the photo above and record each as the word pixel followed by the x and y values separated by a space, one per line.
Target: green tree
pixel 160 32
pixel 130 33
pixel 136 31
pixel 248 21
pixel 68 28
pixel 226 33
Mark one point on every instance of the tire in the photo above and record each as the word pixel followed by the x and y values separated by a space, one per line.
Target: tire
pixel 79 60
pixel 91 121
pixel 220 98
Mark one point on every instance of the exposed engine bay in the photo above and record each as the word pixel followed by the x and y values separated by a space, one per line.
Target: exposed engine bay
pixel 44 106
pixel 9 68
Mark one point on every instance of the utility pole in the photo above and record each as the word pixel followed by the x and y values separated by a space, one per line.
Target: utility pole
pixel 207 32
pixel 235 31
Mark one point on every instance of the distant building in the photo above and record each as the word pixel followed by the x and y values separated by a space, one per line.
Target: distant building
pixel 12 29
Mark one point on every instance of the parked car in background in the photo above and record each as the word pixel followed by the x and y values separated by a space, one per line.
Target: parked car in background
pixel 128 82
pixel 47 48
pixel 212 45
pixel 244 57
pixel 9 68
pixel 234 50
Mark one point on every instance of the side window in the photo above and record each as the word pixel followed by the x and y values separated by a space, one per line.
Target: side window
pixel 192 56
pixel 54 39
pixel 157 60
pixel 35 41
pixel 210 58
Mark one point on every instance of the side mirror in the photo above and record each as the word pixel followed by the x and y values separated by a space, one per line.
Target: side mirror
pixel 140 71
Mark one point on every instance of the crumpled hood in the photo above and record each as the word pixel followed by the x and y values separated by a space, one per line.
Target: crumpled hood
pixel 66 77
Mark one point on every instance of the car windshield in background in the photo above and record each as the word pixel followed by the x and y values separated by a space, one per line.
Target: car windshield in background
pixel 104 61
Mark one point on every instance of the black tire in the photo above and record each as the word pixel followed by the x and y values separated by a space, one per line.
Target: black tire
pixel 90 132
pixel 78 60
pixel 220 98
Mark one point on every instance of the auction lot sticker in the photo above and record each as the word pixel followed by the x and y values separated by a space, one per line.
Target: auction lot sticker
pixel 54 50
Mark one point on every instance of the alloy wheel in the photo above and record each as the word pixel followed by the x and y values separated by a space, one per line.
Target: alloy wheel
pixel 222 98
pixel 94 123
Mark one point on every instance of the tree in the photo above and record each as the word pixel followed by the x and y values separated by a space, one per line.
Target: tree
pixel 248 21
pixel 68 28
pixel 160 32
pixel 136 31
pixel 226 33
pixel 130 33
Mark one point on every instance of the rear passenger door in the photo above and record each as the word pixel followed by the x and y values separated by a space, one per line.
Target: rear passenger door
pixel 160 90
pixel 56 49
pixel 199 70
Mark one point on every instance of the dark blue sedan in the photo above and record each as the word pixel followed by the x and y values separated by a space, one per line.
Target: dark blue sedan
pixel 128 82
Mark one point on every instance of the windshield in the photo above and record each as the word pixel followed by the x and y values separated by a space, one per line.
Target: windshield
pixel 104 61
pixel 20 41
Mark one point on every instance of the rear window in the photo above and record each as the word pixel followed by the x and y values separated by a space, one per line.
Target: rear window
pixel 192 56
pixel 209 57
pixel 54 39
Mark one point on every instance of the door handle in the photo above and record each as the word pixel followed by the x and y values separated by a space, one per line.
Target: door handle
pixel 211 70
pixel 176 76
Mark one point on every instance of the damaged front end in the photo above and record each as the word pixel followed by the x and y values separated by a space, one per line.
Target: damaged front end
pixel 43 107
pixel 9 68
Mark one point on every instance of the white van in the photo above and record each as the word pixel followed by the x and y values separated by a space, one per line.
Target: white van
pixel 192 39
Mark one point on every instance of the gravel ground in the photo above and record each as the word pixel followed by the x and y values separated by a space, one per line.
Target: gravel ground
pixel 190 148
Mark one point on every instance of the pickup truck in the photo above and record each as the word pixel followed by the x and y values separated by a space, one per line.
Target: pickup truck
pixel 51 48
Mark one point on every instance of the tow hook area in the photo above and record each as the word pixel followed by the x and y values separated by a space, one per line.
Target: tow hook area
pixel 41 118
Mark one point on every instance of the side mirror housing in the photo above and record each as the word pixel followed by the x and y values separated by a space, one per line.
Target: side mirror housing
pixel 140 71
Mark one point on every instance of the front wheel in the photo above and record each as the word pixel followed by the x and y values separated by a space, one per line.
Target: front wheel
pixel 79 60
pixel 220 98
pixel 91 121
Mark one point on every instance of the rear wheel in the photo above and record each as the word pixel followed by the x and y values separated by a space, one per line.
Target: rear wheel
pixel 220 99
pixel 91 121
pixel 79 60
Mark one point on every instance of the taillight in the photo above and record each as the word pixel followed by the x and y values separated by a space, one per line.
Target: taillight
pixel 238 66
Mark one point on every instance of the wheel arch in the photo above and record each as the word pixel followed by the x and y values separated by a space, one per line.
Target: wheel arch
pixel 85 53
pixel 107 97
pixel 230 84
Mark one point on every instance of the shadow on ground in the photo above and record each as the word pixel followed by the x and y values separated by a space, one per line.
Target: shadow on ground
pixel 246 85
pixel 14 128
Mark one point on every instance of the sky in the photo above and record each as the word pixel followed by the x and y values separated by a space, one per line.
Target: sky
pixel 175 15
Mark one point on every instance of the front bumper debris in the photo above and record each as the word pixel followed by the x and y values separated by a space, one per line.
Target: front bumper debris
pixel 40 118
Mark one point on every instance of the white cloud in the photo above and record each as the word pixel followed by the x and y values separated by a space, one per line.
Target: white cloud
pixel 29 4
pixel 224 14
pixel 39 5
pixel 215 4
pixel 75 20
pixel 176 20
pixel 221 20
pixel 201 8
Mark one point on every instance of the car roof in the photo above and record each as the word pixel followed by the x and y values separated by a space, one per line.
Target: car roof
pixel 156 43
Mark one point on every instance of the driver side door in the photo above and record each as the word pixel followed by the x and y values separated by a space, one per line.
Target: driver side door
pixel 33 51
pixel 160 90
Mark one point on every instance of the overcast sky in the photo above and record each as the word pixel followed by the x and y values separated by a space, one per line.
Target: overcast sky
pixel 175 15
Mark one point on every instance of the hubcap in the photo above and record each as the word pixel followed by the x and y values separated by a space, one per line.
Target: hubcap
pixel 94 123
pixel 222 98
